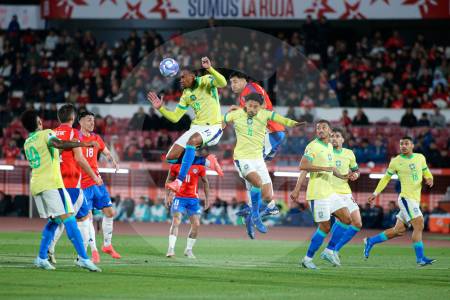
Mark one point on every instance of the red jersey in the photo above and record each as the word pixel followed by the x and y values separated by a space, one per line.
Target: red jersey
pixel 91 155
pixel 252 87
pixel 189 188
pixel 70 170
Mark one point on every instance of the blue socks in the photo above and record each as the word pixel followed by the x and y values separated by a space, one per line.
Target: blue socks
pixel 379 238
pixel 188 159
pixel 198 160
pixel 418 248
pixel 337 231
pixel 316 242
pixel 74 235
pixel 348 235
pixel 47 237
pixel 255 194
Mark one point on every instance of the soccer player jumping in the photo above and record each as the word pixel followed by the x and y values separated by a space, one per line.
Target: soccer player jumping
pixel 411 169
pixel 202 95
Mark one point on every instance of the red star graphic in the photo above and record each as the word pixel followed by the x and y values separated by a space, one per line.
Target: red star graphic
pixel 352 12
pixel 103 1
pixel 424 5
pixel 65 7
pixel 163 7
pixel 319 9
pixel 134 11
pixel 373 2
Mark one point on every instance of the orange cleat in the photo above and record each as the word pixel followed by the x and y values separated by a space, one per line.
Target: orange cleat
pixel 96 257
pixel 214 164
pixel 110 250
pixel 174 186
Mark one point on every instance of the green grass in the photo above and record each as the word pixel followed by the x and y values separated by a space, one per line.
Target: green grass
pixel 224 269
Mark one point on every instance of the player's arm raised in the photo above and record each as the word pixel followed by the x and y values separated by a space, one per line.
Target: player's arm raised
pixel 82 162
pixel 298 186
pixel 218 79
pixel 285 121
pixel 60 144
pixel 172 116
pixel 206 190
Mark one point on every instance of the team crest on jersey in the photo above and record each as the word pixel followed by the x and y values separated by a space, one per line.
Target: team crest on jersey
pixel 338 163
pixel 330 157
pixel 246 167
pixel 412 167
pixel 195 170
pixel 193 98
pixel 249 121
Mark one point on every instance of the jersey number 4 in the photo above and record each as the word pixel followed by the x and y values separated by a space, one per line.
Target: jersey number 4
pixel 33 157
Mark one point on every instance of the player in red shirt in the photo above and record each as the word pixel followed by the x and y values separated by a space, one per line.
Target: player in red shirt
pixel 186 201
pixel 97 196
pixel 72 161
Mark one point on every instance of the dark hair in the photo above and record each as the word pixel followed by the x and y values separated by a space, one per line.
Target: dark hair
pixel 29 120
pixel 324 121
pixel 85 113
pixel 255 97
pixel 65 112
pixel 407 137
pixel 340 130
pixel 189 71
pixel 238 75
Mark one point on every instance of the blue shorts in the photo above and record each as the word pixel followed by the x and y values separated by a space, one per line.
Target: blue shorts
pixel 80 205
pixel 189 206
pixel 97 197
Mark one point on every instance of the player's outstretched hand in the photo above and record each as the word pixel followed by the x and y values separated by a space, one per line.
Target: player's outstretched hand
pixel 206 63
pixel 98 181
pixel 155 100
pixel 371 199
pixel 429 182
pixel 300 124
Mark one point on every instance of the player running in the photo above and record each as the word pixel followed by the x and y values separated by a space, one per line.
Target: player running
pixel 250 126
pixel 186 202
pixel 319 161
pixel 72 161
pixel 47 188
pixel 411 168
pixel 97 196
pixel 202 95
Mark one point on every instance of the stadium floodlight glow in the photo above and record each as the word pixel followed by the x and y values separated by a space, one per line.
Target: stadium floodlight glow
pixel 6 168
pixel 211 172
pixel 112 170
pixel 379 176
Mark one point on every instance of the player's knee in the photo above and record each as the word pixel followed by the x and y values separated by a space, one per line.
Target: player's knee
pixel 325 227
pixel 399 231
pixel 357 224
pixel 176 220
pixel 347 220
pixel 109 212
pixel 195 140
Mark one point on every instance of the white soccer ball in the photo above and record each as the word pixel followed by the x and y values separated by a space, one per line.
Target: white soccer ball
pixel 169 67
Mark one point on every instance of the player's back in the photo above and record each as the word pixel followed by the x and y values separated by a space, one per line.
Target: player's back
pixel 70 170
pixel 189 188
pixel 345 161
pixel 91 155
pixel 44 162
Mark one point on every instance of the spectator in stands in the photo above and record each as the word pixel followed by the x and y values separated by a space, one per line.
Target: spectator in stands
pixel 390 217
pixel 152 121
pixel 51 41
pixel 232 209
pixel 17 137
pixel 437 119
pixel 360 118
pixel 424 121
pixel 408 119
pixel 434 155
pixel 52 113
pixel 13 26
pixel 345 119
pixel 291 113
pixel 164 141
pixel 378 154
pixel 10 151
pixel 141 211
pixel 133 151
pixel 158 212
pixel 307 116
pixel 217 213
pixel 148 150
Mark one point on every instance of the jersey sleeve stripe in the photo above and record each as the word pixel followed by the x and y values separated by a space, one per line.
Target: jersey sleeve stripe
pixel 182 107
pixel 273 116
pixel 389 172
pixel 225 117
pixel 308 157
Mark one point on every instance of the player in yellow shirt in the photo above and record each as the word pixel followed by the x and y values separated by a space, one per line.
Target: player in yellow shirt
pixel 319 161
pixel 411 169
pixel 202 95
pixel 250 125
pixel 47 188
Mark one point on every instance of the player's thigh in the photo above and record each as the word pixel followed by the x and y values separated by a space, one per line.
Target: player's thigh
pixel 400 227
pixel 417 223
pixel 174 153
pixel 178 206
pixel 409 210
pixel 356 218
pixel 195 220
pixel 320 209
pixel 248 169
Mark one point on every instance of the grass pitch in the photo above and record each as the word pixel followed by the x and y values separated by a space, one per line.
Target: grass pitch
pixel 224 269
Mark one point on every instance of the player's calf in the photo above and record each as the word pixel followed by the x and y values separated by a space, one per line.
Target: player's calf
pixel 176 220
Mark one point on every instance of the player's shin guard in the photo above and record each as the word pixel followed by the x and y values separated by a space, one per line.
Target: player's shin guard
pixel 92 241
pixel 107 226
pixel 316 242
pixel 337 231
pixel 58 233
pixel 74 235
pixel 255 194
pixel 47 237
pixel 188 159
pixel 348 235
pixel 418 248
pixel 83 226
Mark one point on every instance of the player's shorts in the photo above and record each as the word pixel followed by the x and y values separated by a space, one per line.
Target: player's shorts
pixel 97 197
pixel 409 210
pixel 79 203
pixel 53 203
pixel 350 203
pixel 189 206
pixel 323 208
pixel 247 166
pixel 210 134
pixel 272 143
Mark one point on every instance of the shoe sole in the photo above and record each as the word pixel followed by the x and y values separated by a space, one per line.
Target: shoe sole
pixel 305 267
pixel 326 258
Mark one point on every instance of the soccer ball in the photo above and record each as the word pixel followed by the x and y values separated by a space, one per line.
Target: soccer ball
pixel 169 67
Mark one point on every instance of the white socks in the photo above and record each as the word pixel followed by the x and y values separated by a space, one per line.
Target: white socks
pixel 84 230
pixel 172 241
pixel 59 231
pixel 92 242
pixel 107 226
pixel 190 243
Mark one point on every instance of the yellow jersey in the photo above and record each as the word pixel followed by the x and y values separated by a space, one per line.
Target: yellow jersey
pixel 320 154
pixel 410 171
pixel 345 161
pixel 251 132
pixel 203 97
pixel 44 162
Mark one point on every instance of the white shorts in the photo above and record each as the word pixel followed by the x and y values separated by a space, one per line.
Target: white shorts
pixel 247 166
pixel 53 203
pixel 349 202
pixel 323 208
pixel 409 210
pixel 210 134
